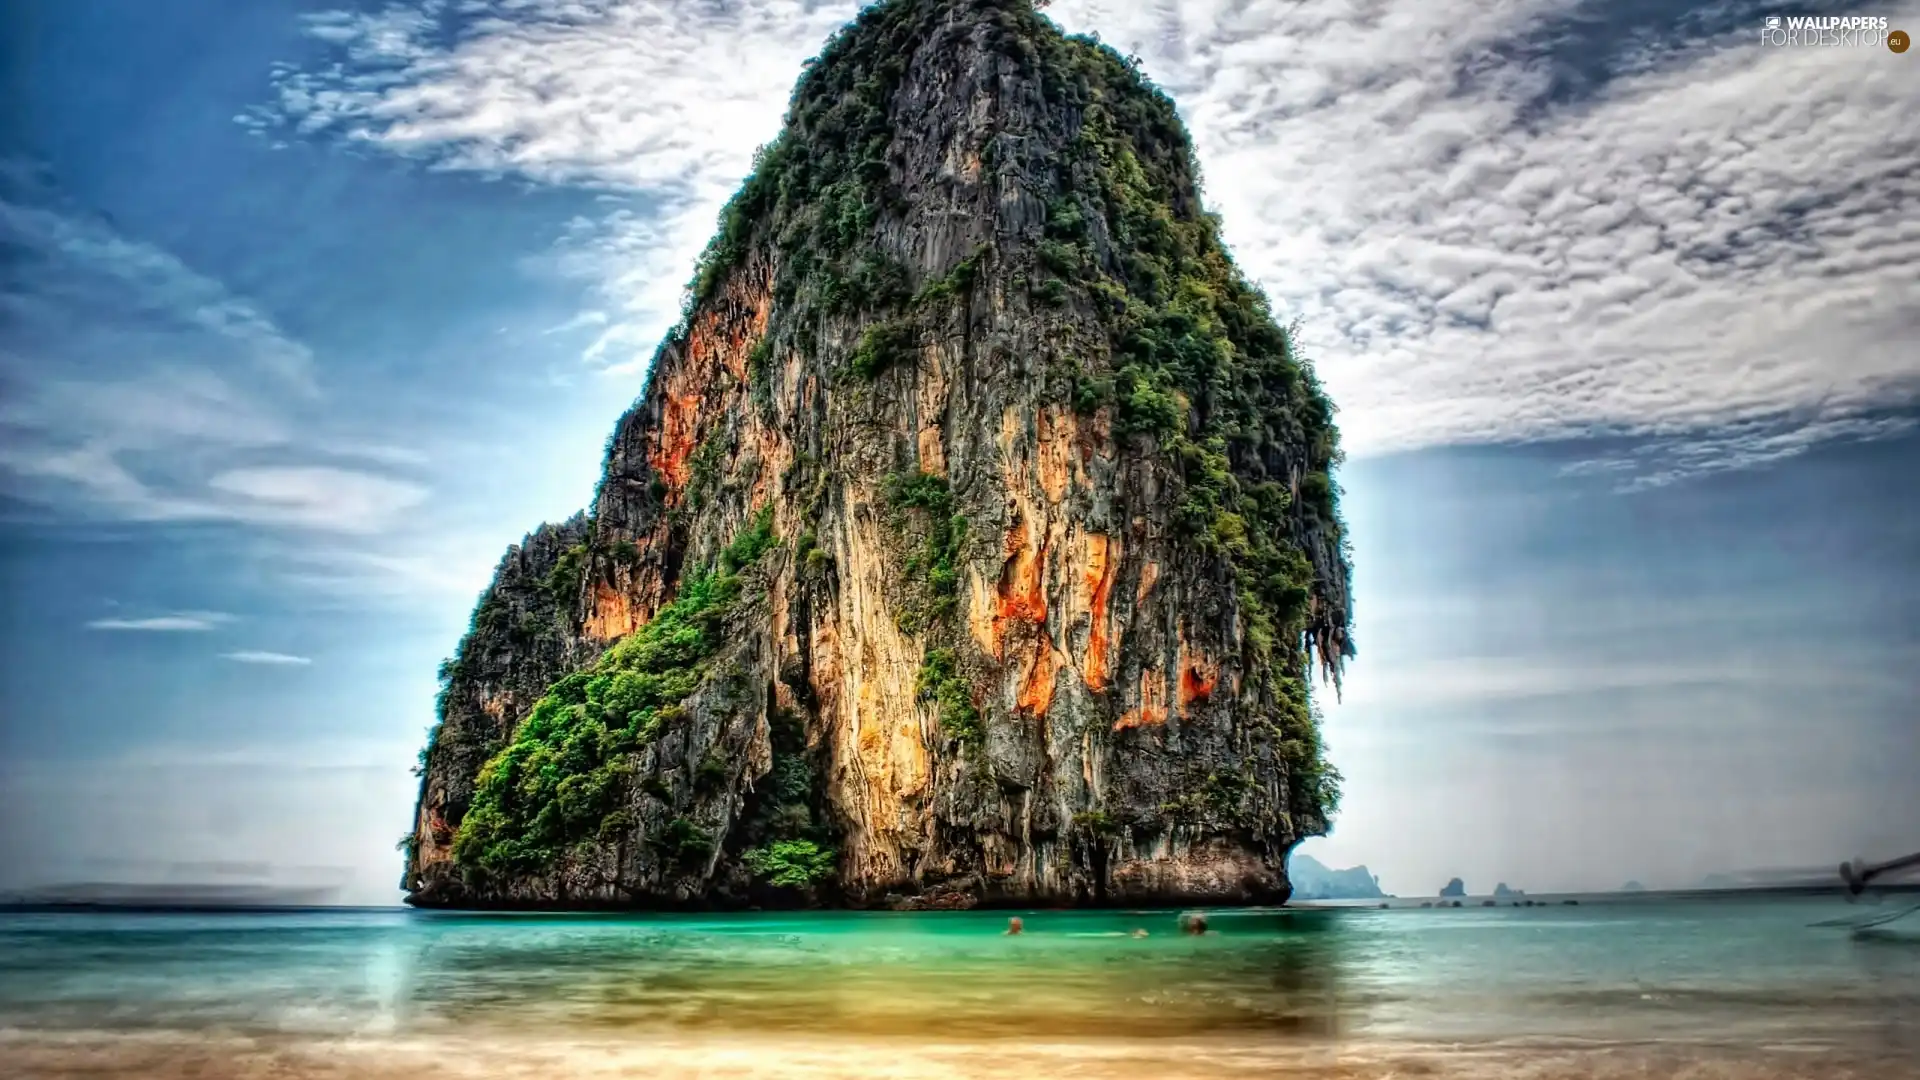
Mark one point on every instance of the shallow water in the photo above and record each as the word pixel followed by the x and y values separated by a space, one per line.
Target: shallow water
pixel 1745 975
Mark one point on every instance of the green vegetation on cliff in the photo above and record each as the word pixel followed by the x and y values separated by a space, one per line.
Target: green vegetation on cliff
pixel 921 505
pixel 791 863
pixel 1193 358
pixel 818 189
pixel 1083 273
pixel 1197 360
pixel 933 565
pixel 565 776
pixel 1198 364
pixel 798 851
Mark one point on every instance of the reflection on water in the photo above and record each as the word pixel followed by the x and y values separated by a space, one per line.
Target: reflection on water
pixel 1702 970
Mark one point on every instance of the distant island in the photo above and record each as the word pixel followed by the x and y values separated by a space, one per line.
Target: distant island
pixel 1502 891
pixel 1456 887
pixel 1313 880
pixel 1633 886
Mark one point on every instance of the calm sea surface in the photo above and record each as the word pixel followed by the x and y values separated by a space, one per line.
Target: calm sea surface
pixel 1743 974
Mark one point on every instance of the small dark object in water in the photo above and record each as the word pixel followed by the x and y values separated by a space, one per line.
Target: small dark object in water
pixel 1015 926
pixel 1858 875
pixel 1571 903
pixel 1195 923
pixel 1456 903
pixel 1426 903
pixel 1488 903
pixel 1384 905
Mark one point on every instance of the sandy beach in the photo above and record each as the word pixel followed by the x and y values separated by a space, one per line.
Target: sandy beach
pixel 169 1056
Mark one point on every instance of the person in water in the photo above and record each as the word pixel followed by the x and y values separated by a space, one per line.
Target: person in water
pixel 1015 926
pixel 1195 923
pixel 1139 931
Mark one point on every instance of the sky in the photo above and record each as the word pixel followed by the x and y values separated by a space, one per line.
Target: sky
pixel 308 311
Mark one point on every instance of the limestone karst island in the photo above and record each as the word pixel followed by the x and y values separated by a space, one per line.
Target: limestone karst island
pixel 895 592
pixel 973 542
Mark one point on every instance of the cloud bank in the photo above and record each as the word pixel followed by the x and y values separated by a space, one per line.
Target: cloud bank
pixel 1536 220
pixel 178 622
pixel 290 814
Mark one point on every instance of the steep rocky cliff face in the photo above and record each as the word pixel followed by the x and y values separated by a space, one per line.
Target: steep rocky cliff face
pixel 973 542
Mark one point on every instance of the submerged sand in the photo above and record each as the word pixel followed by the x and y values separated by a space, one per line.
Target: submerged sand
pixel 1694 991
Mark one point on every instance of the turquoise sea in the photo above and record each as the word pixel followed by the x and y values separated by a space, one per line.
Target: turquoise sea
pixel 1733 986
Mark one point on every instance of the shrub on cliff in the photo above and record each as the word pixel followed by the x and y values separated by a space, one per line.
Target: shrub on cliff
pixel 568 769
pixel 790 863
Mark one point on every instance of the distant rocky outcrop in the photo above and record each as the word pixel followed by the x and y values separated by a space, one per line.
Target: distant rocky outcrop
pixel 1456 887
pixel 1313 880
pixel 1633 886
pixel 1502 892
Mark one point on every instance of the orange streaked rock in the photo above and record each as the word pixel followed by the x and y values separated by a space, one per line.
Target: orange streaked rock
pixel 720 338
pixel 1149 574
pixel 679 437
pixel 873 743
pixel 1021 596
pixel 1056 452
pixel 1199 674
pixel 723 335
pixel 1152 711
pixel 933 458
pixel 1099 585
pixel 1036 690
pixel 612 615
pixel 982 606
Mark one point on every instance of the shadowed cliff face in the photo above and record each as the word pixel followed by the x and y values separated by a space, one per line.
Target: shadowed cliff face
pixel 973 542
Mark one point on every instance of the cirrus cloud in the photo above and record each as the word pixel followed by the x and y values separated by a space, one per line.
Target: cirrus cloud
pixel 179 622
pixel 272 659
pixel 139 389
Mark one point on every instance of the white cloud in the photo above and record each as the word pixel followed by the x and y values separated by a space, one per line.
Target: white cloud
pixel 319 497
pixel 179 622
pixel 1699 245
pixel 1707 241
pixel 662 104
pixel 397 456
pixel 138 389
pixel 1661 462
pixel 250 656
pixel 163 283
pixel 451 568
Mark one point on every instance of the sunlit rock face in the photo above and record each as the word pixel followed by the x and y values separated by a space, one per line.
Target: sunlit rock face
pixel 972 544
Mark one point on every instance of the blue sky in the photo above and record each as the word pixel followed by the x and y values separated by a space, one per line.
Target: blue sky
pixel 309 311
